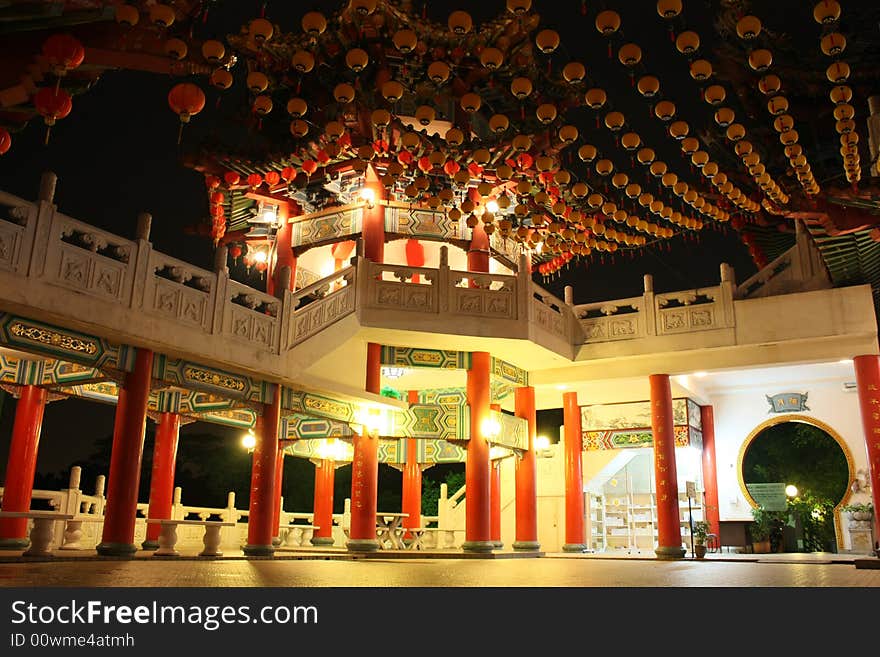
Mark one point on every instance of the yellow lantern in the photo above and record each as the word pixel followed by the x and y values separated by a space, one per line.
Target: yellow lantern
pixel 303 61
pixel 546 113
pixel 630 141
pixel 260 30
pixel 710 170
pixel 221 78
pixel 646 155
pixel 658 169
pixel 380 118
pixel 262 105
pixel 313 23
pixel 840 94
pixel 714 94
pixel 665 110
pixel 343 93
pixel 471 102
pixel 574 72
pixel 163 16
pixel 257 82
pixel 690 145
pixel 760 59
pixel 668 179
pixel 678 129
pixel 460 22
pixel 127 15
pixel 454 137
pixel 648 86
pixel 790 137
pixel 687 42
pixel 587 153
pixel 735 131
pixel 607 22
pixel 783 123
pixel 614 121
pixel 547 41
pixel 604 167
pixel 620 180
pixel 518 7
pixel 748 27
pixel 668 8
pixel 357 59
pixel 844 111
pixel 299 128
pixel 405 41
pixel 633 190
pixel 777 105
pixel 499 123
pixel 568 134
pixel 410 141
pixel 297 107
pixel 521 143
pixel 362 7
pixel 629 54
pixel 699 158
pixel 724 116
pixel 701 70
pixel 334 129
pixel 833 44
pixel 838 72
pixel 743 148
pixel 213 51
pixel 392 91
pixel 580 190
pixel 491 58
pixel 438 72
pixel 826 12
pixel 425 114
pixel 595 200
pixel 595 98
pixel 521 87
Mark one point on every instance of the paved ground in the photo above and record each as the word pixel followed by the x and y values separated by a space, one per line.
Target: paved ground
pixel 329 568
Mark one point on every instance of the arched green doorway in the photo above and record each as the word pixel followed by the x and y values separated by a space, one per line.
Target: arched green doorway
pixel 800 450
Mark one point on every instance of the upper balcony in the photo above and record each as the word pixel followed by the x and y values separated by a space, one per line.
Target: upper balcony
pixel 64 272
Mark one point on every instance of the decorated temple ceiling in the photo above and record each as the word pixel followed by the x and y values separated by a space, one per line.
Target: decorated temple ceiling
pixel 574 132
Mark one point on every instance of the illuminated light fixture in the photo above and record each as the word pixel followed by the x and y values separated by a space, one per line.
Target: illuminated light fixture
pixel 562 386
pixel 492 206
pixel 333 450
pixel 496 452
pixel 261 256
pixel 393 372
pixel 249 440
pixel 542 443
pixel 368 196
pixel 490 428
pixel 700 375
pixel 845 361
pixel 267 214
pixel 791 490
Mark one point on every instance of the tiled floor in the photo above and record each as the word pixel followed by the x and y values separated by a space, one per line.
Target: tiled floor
pixel 337 568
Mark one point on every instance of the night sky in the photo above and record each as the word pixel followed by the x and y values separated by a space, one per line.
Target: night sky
pixel 117 155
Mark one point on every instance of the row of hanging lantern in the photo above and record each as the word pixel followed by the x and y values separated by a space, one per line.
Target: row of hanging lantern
pixel 688 43
pixel 833 43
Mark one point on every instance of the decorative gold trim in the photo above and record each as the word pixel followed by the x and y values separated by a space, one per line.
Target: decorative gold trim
pixel 805 419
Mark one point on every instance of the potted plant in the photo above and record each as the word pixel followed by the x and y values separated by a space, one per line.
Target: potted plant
pixel 701 532
pixel 861 511
pixel 760 531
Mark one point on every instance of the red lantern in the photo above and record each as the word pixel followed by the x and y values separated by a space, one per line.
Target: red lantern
pixel 63 52
pixel 288 173
pixel 217 198
pixel 524 160
pixel 309 166
pixel 5 140
pixel 475 169
pixel 52 104
pixel 451 168
pixel 212 182
pixel 272 178
pixel 405 158
pixel 231 178
pixel 254 180
pixel 425 164
pixel 186 100
pixel 322 157
pixel 235 252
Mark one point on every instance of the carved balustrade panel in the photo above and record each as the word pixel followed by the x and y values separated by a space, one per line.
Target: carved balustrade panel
pixel 11 235
pixel 693 310
pixel 251 316
pixel 178 291
pixel 550 313
pixel 396 287
pixel 321 304
pixel 606 321
pixel 492 296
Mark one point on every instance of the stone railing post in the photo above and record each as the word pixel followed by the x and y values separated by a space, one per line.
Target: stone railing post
pixel 524 289
pixel 443 291
pixel 99 494
pixel 285 312
pixel 220 291
pixel 650 309
pixel 177 512
pixel 42 232
pixel 141 260
pixel 728 290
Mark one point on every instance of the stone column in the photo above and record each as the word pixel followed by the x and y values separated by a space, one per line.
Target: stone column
pixel 162 475
pixel 365 469
pixel 526 467
pixel 279 481
pixel 21 465
pixel 665 476
pixel 478 529
pixel 478 252
pixel 374 223
pixel 283 254
pixel 261 511
pixel 574 477
pixel 125 459
pixel 710 471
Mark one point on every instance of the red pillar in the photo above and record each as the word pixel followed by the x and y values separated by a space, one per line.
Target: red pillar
pixel 325 473
pixel 574 476
pixel 365 469
pixel 495 493
pixel 374 224
pixel 526 486
pixel 261 512
pixel 412 478
pixel 665 476
pixel 162 475
pixel 478 528
pixel 710 471
pixel 868 382
pixel 279 482
pixel 125 459
pixel 478 252
pixel 21 465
